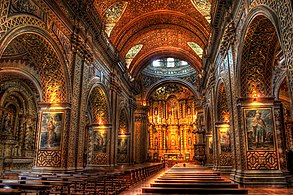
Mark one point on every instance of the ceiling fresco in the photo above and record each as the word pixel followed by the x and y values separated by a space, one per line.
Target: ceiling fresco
pixel 165 28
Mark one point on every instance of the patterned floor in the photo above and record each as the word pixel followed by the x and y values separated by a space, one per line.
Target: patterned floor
pixel 136 190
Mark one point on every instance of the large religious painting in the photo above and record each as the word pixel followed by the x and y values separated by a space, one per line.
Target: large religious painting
pixel 100 141
pixel 51 130
pixel 122 150
pixel 259 129
pixel 225 139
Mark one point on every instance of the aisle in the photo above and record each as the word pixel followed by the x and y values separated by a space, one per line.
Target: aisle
pixel 136 189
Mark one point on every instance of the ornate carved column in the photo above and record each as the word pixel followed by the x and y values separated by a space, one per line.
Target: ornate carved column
pixel 115 90
pixel 131 126
pixel 164 129
pixel 81 57
pixel 140 131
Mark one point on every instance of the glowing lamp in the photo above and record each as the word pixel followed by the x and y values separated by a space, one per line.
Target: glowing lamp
pixel 254 95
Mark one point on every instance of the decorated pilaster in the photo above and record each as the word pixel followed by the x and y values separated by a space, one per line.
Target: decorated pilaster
pixel 263 137
pixel 140 133
pixel 52 136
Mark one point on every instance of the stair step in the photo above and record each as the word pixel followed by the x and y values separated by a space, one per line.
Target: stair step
pixel 173 176
pixel 191 181
pixel 192 173
pixel 199 179
pixel 195 185
pixel 193 190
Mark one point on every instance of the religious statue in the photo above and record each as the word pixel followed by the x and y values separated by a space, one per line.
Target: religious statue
pixel 7 124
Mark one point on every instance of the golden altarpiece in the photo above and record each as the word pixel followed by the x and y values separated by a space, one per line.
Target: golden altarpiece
pixel 173 120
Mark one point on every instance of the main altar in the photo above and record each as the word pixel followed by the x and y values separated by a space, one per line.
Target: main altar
pixel 173 121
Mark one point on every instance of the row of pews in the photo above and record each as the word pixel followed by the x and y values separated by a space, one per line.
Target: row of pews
pixel 103 180
pixel 192 179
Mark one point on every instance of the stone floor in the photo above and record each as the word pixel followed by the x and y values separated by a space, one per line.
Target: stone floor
pixel 136 190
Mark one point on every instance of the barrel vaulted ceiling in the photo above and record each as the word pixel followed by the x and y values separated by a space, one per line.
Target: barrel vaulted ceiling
pixel 145 30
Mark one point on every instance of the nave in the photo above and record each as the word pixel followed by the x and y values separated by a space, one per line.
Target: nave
pixel 101 84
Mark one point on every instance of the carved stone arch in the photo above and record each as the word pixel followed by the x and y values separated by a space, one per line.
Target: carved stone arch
pixel 279 82
pixel 16 81
pixel 258 63
pixel 27 75
pixel 98 105
pixel 170 80
pixel 221 106
pixel 23 32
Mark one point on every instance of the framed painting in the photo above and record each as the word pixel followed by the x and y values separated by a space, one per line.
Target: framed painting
pixel 259 129
pixel 122 149
pixel 52 124
pixel 100 141
pixel 224 138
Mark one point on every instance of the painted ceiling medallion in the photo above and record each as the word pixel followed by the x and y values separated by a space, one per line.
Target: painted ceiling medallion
pixel 113 14
pixel 132 53
pixel 196 48
pixel 204 7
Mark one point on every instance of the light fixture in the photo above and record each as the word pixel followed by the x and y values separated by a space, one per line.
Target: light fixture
pixel 254 95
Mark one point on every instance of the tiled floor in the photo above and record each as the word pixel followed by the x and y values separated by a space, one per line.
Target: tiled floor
pixel 136 190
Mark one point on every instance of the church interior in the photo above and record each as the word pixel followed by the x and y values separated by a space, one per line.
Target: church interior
pixel 90 86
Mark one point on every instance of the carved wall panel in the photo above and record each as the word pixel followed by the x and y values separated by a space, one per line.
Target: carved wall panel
pixel 49 159
pixel 101 159
pixel 225 159
pixel 259 160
